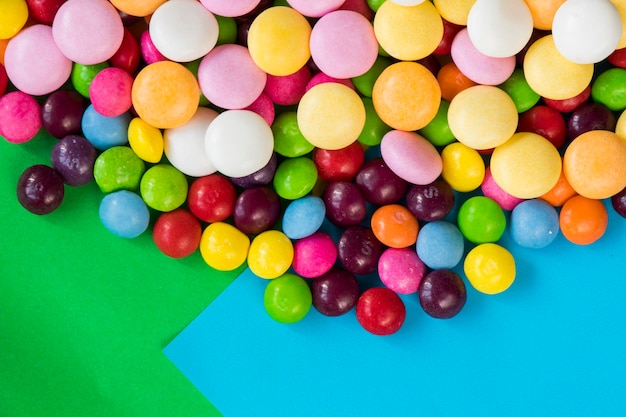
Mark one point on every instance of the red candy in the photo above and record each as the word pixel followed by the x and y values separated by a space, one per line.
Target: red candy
pixel 380 311
pixel 177 233
pixel 340 164
pixel 212 198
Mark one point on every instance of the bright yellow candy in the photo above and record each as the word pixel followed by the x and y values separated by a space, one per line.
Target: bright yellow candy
pixel 145 140
pixel 331 116
pixel 165 94
pixel 455 11
pixel 526 166
pixel 463 167
pixel 490 268
pixel 621 8
pixel 223 246
pixel 553 76
pixel 406 96
pixel 13 17
pixel 270 255
pixel 278 40
pixel 137 7
pixel 482 117
pixel 408 33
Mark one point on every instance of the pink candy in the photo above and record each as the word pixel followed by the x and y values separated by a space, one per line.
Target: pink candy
pixel 110 92
pixel 230 8
pixel 316 8
pixel 288 89
pixel 401 270
pixel 314 255
pixel 492 190
pixel 411 157
pixel 20 117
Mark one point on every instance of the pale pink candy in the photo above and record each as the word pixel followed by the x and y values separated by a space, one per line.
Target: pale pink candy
pixel 315 8
pixel 230 8
pixel 411 157
pixel 401 270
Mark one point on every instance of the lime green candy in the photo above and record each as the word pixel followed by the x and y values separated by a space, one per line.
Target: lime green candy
pixel 83 75
pixel 520 92
pixel 118 168
pixel 163 188
pixel 295 178
pixel 288 139
pixel 481 220
pixel 287 299
pixel 193 67
pixel 374 129
pixel 610 89
pixel 438 130
pixel 365 83
pixel 227 30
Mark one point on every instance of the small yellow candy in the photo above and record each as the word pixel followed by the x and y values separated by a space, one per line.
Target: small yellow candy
pixel 620 127
pixel 490 268
pixel 455 11
pixel 620 5
pixel 145 140
pixel 463 167
pixel 13 17
pixel 271 254
pixel 526 166
pixel 223 246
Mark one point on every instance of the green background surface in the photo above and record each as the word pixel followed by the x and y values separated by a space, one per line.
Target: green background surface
pixel 84 315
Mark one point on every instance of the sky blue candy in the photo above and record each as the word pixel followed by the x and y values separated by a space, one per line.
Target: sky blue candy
pixel 303 217
pixel 124 214
pixel 105 132
pixel 440 245
pixel 534 224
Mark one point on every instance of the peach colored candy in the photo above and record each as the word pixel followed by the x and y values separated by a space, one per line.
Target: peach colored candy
pixel 526 166
pixel 406 96
pixel 595 164
pixel 543 12
pixel 139 8
pixel 455 11
pixel 165 94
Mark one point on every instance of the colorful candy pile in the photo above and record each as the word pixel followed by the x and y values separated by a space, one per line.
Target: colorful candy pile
pixel 327 141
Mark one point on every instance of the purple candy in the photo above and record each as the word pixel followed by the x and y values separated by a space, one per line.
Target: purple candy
pixel 74 157
pixel 335 293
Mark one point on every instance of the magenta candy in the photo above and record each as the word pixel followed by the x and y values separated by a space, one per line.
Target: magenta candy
pixel 314 255
pixel 264 107
pixel 288 89
pixel 321 78
pixel 110 92
pixel 62 113
pixel 20 117
pixel 401 270
pixel 411 157
pixel 492 190
pixel 149 52
pixel 335 293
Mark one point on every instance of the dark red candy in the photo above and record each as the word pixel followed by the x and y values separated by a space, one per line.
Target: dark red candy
pixel 339 164
pixel 380 311
pixel 379 184
pixel 62 113
pixel 73 157
pixel 264 176
pixel 40 189
pixel 359 250
pixel 618 201
pixel 335 293
pixel 590 116
pixel 544 121
pixel 442 294
pixel 128 55
pixel 44 10
pixel 618 58
pixel 4 80
pixel 430 202
pixel 449 32
pixel 568 105
pixel 256 210
pixel 177 233
pixel 345 205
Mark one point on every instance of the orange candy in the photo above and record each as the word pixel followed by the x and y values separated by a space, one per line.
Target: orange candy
pixel 543 12
pixel 452 81
pixel 583 220
pixel 137 7
pixel 560 193
pixel 395 226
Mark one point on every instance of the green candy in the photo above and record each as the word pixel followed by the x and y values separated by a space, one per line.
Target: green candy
pixel 163 188
pixel 288 139
pixel 438 130
pixel 481 220
pixel 227 30
pixel 295 178
pixel 365 83
pixel 287 299
pixel 520 92
pixel 610 89
pixel 118 168
pixel 374 128
pixel 375 4
pixel 193 67
pixel 83 75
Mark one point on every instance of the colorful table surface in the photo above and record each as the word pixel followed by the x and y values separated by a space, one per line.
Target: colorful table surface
pixel 94 325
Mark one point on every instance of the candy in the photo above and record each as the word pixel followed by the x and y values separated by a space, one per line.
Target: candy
pixel 456 11
pixel 230 9
pixel 339 164
pixel 374 128
pixel 380 311
pixel 105 132
pixel 137 8
pixel 534 224
pixel 287 299
pixel 124 214
pixel 287 89
pixel 609 89
pixel 411 157
pixel 520 92
pixel 264 107
pixel 544 121
pixel 303 217
pixel 618 202
pixel 364 83
pixel 440 245
pixel 288 139
pixel 583 220
pixel 149 51
pixel 270 254
pixel 491 189
pixel 379 184
pixel 490 268
pixel 359 250
pixel 20 118
pixel 62 112
pixel 442 294
pixel 211 198
pixel 145 140
pixel 560 193
pixel 430 202
pixel 263 176
pixel 315 9
pixel 73 157
pixel 110 92
pixel 256 210
pixel 44 10
pixel 314 255
pixel 118 168
pixel 14 15
pixel 438 130
pixel 82 76
pixel 481 220
pixel 590 116
pixel 543 12
pixel 401 270
pixel 394 226
pixel 335 293
pixel 223 246
pixel 295 178
pixel 463 168
pixel 177 233
pixel 40 189
pixel 163 187
pixel 128 55
pixel 345 205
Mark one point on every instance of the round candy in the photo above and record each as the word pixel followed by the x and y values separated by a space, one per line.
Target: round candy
pixel 128 55
pixel 82 76
pixel 14 14
pixel 118 168
pixel 481 220
pixel 380 311
pixel 534 224
pixel 560 193
pixel 287 299
pixel 491 189
pixel 20 117
pixel 314 255
pixel 345 205
pixel 288 139
pixel 96 23
pixel 124 214
pixel 263 176
pixel 583 220
pixel 212 198
pixel 34 63
pixel 456 11
pixel 62 112
pixel 430 202
pixel 73 157
pixel 315 9
pixel 303 217
pixel 270 254
pixel 609 88
pixel 520 92
pixel 365 83
pixel 223 247
pixel 595 164
pixel 287 90
pixel 482 117
pixel 145 140
pixel 552 75
pixel 379 184
pixel 339 164
pixel 406 95
pixel 239 142
pixel 543 12
pixel 374 128
pixel 490 268
pixel 331 116
pixel 590 116
pixel 544 121
pixel 229 78
pixel 105 132
pixel 256 210
pixel 438 130
pixel 335 293
pixel 463 167
pixel 137 8
pixel 183 30
pixel 110 92
pixel 442 294
pixel 411 157
pixel 264 107
pixel 452 81
pixel 278 40
pixel 587 32
pixel 359 250
pixel 184 145
pixel 526 166
pixel 618 202
pixel 394 226
pixel 440 245
pixel 401 270
pixel 177 233
pixel 149 52
pixel 230 8
pixel 343 44
pixel 163 187
pixel 44 10
pixel 40 189
pixel 408 33
pixel 295 178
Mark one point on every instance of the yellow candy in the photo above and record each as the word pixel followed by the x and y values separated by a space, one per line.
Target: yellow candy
pixel 270 255
pixel 137 7
pixel 278 40
pixel 13 17
pixel 408 33
pixel 165 94
pixel 223 246
pixel 620 127
pixel 145 140
pixel 455 11
pixel 490 268
pixel 482 117
pixel 331 116
pixel 406 96
pixel 526 166
pixel 463 167
pixel 553 76
pixel 621 8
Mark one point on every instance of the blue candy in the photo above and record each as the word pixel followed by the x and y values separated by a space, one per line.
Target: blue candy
pixel 124 214
pixel 303 217
pixel 534 224
pixel 105 132
pixel 440 245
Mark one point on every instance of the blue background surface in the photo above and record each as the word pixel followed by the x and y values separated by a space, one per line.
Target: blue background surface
pixel 553 344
